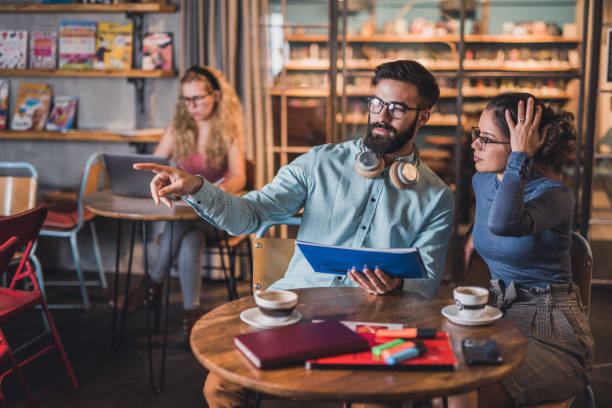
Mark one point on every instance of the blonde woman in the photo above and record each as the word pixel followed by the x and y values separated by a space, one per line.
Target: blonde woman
pixel 206 138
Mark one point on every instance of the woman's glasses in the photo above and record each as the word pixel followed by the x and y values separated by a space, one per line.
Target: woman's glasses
pixel 396 110
pixel 483 139
pixel 196 100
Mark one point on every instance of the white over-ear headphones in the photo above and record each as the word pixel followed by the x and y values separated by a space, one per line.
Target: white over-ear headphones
pixel 403 172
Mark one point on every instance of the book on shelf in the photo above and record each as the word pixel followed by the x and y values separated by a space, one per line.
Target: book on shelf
pixel 292 344
pixel 114 45
pixel 13 49
pixel 404 262
pixel 32 107
pixel 62 113
pixel 77 44
pixel 157 49
pixel 43 49
pixel 4 94
pixel 439 353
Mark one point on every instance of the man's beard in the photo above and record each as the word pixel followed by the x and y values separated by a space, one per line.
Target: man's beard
pixel 389 143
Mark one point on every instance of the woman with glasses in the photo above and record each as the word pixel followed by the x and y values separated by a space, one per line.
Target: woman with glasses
pixel 522 230
pixel 206 138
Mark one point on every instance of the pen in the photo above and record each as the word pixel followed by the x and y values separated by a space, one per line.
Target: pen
pixel 408 333
pixel 406 354
pixel 396 349
pixel 376 350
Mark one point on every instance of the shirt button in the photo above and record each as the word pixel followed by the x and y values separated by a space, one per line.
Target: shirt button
pixel 372 199
pixel 363 227
pixel 199 202
pixel 339 277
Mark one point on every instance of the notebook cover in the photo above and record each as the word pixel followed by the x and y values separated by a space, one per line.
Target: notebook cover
pixel 286 345
pixel 439 355
pixel 404 262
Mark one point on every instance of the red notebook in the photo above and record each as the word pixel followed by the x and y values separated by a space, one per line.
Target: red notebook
pixel 286 345
pixel 438 356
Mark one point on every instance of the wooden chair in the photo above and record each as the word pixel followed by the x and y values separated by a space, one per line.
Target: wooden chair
pixel 18 191
pixel 65 220
pixel 6 254
pixel 13 302
pixel 271 256
pixel 582 268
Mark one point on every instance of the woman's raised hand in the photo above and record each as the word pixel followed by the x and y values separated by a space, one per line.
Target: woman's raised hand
pixel 169 181
pixel 524 135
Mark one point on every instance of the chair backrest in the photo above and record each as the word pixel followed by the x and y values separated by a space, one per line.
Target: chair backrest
pixel 90 181
pixel 18 187
pixel 26 227
pixel 582 266
pixel 271 256
pixel 7 250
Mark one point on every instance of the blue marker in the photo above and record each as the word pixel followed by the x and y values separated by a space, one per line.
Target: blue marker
pixel 406 354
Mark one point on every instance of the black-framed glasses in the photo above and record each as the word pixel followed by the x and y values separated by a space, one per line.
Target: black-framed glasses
pixel 483 139
pixel 196 100
pixel 397 110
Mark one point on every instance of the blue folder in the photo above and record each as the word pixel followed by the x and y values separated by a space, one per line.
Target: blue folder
pixel 404 262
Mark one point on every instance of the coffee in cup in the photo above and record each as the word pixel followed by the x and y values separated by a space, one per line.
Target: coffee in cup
pixel 275 305
pixel 470 301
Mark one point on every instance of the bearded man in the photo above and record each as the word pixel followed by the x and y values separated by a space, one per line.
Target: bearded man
pixel 372 192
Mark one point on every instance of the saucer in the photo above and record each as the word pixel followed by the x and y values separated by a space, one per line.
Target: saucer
pixel 489 315
pixel 254 318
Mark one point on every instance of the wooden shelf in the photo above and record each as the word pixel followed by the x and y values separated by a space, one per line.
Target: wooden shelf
pixel 97 73
pixel 382 38
pixel 136 136
pixel 440 121
pixel 88 8
pixel 291 149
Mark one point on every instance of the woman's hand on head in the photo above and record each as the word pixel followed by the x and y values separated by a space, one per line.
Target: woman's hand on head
pixel 524 135
pixel 169 181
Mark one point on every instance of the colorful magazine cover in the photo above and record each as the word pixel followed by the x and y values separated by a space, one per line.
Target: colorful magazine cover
pixel 62 113
pixel 157 49
pixel 4 93
pixel 43 49
pixel 77 44
pixel 13 49
pixel 32 107
pixel 114 46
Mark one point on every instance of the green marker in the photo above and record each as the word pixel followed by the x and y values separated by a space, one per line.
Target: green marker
pixel 376 350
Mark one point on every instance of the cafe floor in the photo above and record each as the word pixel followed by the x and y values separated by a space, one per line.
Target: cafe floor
pixel 121 379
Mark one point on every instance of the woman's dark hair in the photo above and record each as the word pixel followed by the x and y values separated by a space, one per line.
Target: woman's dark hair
pixel 413 73
pixel 559 145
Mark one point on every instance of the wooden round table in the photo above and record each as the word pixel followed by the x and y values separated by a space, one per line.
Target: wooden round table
pixel 212 344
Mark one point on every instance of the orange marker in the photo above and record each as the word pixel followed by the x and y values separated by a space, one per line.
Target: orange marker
pixel 408 333
pixel 395 349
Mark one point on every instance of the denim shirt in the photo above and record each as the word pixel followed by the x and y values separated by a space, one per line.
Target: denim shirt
pixel 522 224
pixel 341 208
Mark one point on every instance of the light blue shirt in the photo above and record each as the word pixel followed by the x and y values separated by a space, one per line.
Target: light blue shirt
pixel 341 208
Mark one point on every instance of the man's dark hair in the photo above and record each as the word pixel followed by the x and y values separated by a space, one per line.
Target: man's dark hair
pixel 413 73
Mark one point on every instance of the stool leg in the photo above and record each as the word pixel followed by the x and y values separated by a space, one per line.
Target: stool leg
pixel 79 272
pixel 96 248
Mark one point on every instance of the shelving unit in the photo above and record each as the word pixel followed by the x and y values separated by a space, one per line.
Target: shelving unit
pixel 135 76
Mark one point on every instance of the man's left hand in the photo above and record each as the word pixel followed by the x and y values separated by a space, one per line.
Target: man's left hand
pixel 375 282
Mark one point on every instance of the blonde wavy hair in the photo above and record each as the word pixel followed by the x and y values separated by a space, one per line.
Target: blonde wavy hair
pixel 227 122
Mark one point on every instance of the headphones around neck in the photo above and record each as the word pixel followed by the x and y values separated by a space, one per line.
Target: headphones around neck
pixel 403 172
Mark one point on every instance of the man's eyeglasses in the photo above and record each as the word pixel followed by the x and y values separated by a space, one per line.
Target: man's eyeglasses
pixel 483 139
pixel 397 110
pixel 196 100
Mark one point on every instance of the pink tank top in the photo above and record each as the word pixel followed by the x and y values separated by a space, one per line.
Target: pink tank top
pixel 195 165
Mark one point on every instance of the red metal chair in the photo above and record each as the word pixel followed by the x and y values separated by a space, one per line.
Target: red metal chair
pixel 13 302
pixel 6 254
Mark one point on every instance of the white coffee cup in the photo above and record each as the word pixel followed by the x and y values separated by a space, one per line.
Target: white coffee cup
pixel 275 305
pixel 470 301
